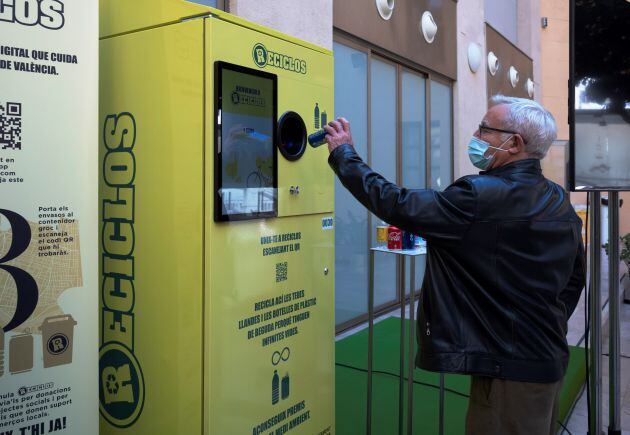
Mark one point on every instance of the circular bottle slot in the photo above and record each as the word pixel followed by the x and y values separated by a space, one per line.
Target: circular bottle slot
pixel 291 136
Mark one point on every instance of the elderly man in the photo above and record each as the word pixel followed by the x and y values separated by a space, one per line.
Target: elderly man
pixel 505 266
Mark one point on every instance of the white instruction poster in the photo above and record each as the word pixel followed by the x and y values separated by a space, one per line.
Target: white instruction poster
pixel 48 217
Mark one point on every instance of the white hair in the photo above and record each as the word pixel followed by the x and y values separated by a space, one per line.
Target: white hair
pixel 532 121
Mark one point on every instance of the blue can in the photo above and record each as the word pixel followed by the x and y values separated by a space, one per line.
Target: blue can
pixel 408 241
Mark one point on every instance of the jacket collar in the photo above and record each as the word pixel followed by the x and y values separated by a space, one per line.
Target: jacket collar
pixel 531 166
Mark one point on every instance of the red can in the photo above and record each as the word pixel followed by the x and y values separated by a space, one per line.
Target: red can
pixel 394 238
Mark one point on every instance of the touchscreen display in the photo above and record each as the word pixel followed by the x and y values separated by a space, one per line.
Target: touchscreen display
pixel 246 153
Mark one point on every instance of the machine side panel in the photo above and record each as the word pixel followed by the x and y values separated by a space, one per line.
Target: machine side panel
pixel 151 212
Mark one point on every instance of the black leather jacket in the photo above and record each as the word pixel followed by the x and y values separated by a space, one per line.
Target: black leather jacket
pixel 505 266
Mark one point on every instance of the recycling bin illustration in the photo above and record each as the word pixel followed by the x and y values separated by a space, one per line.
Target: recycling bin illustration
pixel 57 338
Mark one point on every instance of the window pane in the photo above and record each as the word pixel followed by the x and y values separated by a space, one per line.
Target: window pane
pixel 421 263
pixel 351 232
pixel 383 123
pixel 441 136
pixel 414 144
pixel 413 133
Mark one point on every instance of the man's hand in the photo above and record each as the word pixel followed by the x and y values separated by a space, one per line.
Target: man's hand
pixel 338 133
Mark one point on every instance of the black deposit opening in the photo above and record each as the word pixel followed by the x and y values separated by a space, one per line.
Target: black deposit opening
pixel 291 136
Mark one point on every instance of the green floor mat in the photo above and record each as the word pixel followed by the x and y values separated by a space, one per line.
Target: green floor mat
pixel 352 392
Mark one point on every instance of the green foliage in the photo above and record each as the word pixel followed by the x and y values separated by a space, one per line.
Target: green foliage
pixel 624 246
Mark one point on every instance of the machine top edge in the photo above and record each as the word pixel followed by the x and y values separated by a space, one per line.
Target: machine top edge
pixel 121 17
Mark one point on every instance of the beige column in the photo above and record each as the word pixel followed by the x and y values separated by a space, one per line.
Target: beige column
pixel 469 97
pixel 554 68
pixel 555 63
pixel 529 38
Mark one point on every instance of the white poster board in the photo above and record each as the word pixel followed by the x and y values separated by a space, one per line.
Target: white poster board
pixel 599 105
pixel 602 150
pixel 48 217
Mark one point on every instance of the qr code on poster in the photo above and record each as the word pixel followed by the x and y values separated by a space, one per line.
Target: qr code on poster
pixel 282 270
pixel 11 126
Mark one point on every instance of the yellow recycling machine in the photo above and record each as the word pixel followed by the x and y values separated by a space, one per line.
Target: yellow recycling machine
pixel 217 239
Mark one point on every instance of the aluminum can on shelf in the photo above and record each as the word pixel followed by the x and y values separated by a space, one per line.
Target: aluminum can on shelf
pixel 382 231
pixel 394 238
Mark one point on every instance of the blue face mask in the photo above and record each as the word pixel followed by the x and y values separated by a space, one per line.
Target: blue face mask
pixel 477 152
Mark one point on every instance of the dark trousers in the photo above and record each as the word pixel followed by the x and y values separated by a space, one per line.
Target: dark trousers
pixel 501 407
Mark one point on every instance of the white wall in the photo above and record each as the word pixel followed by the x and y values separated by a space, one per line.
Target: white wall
pixel 311 20
pixel 502 15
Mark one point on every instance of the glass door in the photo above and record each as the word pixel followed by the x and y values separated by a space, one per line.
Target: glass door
pixel 413 138
pixel 389 106
pixel 351 229
pixel 384 153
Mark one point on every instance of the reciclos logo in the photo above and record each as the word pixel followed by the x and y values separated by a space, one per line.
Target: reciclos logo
pixel 263 57
pixel 121 386
pixel 46 13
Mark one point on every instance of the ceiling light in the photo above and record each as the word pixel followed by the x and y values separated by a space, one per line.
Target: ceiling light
pixel 428 26
pixel 493 63
pixel 474 56
pixel 530 88
pixel 385 8
pixel 513 74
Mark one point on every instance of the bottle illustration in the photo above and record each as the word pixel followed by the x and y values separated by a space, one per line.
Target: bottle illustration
pixel 1 352
pixel 316 116
pixel 285 387
pixel 275 388
pixel 21 353
pixel 324 118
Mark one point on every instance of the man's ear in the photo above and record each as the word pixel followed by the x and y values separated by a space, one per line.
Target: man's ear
pixel 518 145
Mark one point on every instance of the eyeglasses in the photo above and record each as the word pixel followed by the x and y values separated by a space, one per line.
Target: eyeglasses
pixel 488 130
